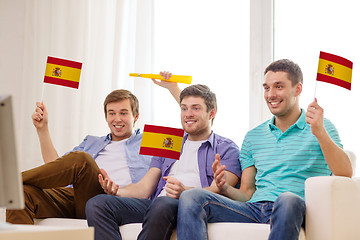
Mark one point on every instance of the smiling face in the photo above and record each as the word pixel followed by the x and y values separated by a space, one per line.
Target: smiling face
pixel 280 96
pixel 195 118
pixel 120 119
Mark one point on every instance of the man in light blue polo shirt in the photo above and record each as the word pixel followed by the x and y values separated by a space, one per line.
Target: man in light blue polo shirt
pixel 118 153
pixel 276 157
pixel 154 199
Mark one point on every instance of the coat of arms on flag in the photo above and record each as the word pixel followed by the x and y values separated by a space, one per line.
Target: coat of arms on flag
pixel 62 72
pixel 162 141
pixel 335 70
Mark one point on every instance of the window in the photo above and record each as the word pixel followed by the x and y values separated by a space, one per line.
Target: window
pixel 208 40
pixel 302 30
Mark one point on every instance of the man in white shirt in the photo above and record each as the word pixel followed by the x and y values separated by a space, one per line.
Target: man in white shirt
pixel 118 152
pixel 154 199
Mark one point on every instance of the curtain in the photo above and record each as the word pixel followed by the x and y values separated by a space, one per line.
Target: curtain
pixel 111 38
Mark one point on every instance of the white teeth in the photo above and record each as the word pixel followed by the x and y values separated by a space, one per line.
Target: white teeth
pixel 118 126
pixel 274 103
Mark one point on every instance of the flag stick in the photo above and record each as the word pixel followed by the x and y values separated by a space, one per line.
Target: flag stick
pixel 315 89
pixel 42 92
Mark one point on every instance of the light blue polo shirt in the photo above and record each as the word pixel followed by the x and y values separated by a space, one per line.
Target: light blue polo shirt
pixel 284 160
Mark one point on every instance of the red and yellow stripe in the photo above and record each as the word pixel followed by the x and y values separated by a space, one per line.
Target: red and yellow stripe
pixel 153 138
pixel 342 70
pixel 70 72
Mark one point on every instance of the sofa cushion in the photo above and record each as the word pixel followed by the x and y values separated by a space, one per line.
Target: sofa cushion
pixel 217 231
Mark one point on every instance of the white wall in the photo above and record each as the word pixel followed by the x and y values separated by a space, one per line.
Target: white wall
pixel 18 69
pixel 106 36
pixel 12 18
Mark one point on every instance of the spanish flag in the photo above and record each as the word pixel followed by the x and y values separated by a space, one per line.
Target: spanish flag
pixel 162 141
pixel 335 70
pixel 62 72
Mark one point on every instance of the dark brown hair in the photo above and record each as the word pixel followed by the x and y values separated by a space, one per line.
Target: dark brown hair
pixel 285 65
pixel 203 91
pixel 119 95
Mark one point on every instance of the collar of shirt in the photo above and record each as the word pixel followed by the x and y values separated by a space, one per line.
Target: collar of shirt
pixel 300 123
pixel 210 140
pixel 136 132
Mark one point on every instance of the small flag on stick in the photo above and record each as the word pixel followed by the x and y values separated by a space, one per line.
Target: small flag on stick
pixel 173 78
pixel 335 70
pixel 62 72
pixel 162 141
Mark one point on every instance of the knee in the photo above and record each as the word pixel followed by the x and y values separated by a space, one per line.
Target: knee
pixel 164 206
pixel 96 206
pixel 81 158
pixel 290 203
pixel 28 189
pixel 30 192
pixel 191 197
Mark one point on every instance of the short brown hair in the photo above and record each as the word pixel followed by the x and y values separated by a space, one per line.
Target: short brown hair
pixel 203 91
pixel 122 94
pixel 285 65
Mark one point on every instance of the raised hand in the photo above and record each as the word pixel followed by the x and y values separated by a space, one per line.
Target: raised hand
pixel 165 84
pixel 315 117
pixel 40 116
pixel 171 86
pixel 107 184
pixel 219 174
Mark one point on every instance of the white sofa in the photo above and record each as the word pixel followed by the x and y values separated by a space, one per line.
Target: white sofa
pixel 332 213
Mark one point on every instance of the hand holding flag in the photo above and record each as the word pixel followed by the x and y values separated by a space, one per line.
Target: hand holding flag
pixel 315 118
pixel 40 116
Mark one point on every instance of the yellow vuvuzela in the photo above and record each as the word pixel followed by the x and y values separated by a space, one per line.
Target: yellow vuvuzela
pixel 173 78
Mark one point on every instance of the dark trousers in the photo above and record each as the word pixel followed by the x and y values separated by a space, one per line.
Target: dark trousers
pixel 45 194
pixel 106 213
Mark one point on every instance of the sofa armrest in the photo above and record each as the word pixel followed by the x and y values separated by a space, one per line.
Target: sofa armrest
pixel 332 208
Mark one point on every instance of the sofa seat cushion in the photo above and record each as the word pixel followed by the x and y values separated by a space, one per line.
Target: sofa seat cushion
pixel 217 231
pixel 128 231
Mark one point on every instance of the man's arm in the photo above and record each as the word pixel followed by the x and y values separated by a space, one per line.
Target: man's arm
pixel 40 121
pixel 142 189
pixel 231 180
pixel 171 86
pixel 247 186
pixel 174 187
pixel 337 160
pixel 220 174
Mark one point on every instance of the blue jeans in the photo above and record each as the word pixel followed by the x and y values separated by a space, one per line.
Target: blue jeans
pixel 160 219
pixel 106 213
pixel 197 207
